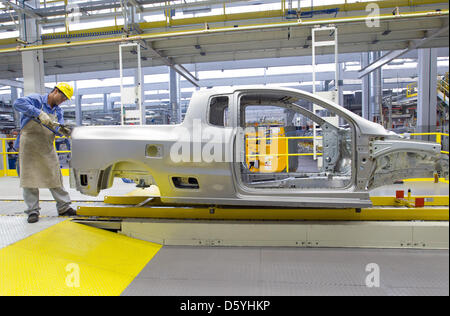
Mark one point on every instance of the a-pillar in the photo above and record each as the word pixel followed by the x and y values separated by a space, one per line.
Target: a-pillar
pixel 427 95
pixel 174 92
pixel 32 61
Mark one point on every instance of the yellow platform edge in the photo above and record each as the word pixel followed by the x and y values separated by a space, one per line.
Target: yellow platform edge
pixel 73 259
pixel 217 213
pixel 443 180
pixel 436 200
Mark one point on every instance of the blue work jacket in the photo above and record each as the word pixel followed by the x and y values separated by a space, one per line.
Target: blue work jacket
pixel 31 106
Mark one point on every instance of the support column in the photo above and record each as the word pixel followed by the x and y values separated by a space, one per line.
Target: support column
pixel 106 102
pixel 78 112
pixel 196 76
pixel 139 84
pixel 427 95
pixel 365 96
pixel 14 97
pixel 174 92
pixel 32 61
pixel 376 89
pixel 340 84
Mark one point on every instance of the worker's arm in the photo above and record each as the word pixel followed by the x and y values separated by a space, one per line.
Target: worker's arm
pixel 29 106
pixel 60 115
pixel 65 130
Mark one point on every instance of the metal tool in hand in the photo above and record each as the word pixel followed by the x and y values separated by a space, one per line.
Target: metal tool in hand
pixel 66 128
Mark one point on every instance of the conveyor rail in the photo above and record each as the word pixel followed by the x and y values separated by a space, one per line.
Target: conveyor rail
pixel 385 208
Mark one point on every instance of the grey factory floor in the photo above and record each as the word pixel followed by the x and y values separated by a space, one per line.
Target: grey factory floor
pixel 255 271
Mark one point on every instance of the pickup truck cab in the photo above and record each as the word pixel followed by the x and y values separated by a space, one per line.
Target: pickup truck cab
pixel 254 147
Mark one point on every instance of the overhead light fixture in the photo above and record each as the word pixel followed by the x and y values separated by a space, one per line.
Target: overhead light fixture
pixel 58 66
pixel 375 41
pixel 387 32
pixel 196 10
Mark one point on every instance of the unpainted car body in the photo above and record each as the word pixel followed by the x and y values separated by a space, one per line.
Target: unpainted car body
pixel 202 160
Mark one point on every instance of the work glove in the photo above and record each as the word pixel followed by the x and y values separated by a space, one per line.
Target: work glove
pixel 45 119
pixel 65 130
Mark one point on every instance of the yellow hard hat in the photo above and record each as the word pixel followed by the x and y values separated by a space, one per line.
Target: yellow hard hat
pixel 65 88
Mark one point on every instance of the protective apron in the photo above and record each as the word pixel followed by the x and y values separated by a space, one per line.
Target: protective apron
pixel 39 163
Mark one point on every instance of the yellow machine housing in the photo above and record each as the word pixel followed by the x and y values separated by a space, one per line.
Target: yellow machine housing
pixel 266 149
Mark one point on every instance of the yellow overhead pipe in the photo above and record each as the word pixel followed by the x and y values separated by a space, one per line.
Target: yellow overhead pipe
pixel 51 1
pixel 220 30
pixel 225 18
pixel 382 4
pixel 346 7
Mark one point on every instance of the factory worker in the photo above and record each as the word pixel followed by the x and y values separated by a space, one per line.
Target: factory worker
pixel 38 161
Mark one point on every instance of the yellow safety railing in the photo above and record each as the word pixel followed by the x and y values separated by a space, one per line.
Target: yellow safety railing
pixel 411 90
pixel 443 87
pixel 6 172
pixel 439 137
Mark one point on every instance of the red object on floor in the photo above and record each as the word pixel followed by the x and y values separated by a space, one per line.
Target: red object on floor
pixel 400 194
pixel 420 202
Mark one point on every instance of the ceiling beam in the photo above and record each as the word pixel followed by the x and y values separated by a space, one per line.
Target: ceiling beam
pixel 178 68
pixel 387 58
pixel 24 10
pixel 16 84
pixel 137 5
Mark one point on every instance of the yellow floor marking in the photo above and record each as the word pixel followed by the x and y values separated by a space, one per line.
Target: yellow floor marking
pixel 73 259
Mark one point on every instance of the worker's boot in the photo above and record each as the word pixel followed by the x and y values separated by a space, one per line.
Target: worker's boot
pixel 69 212
pixel 33 218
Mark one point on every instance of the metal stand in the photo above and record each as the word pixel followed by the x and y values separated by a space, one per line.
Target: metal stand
pixel 332 95
pixel 131 95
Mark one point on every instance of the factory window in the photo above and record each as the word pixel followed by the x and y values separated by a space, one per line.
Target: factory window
pixel 218 111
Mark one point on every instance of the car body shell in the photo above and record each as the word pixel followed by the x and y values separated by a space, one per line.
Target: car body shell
pixel 146 155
